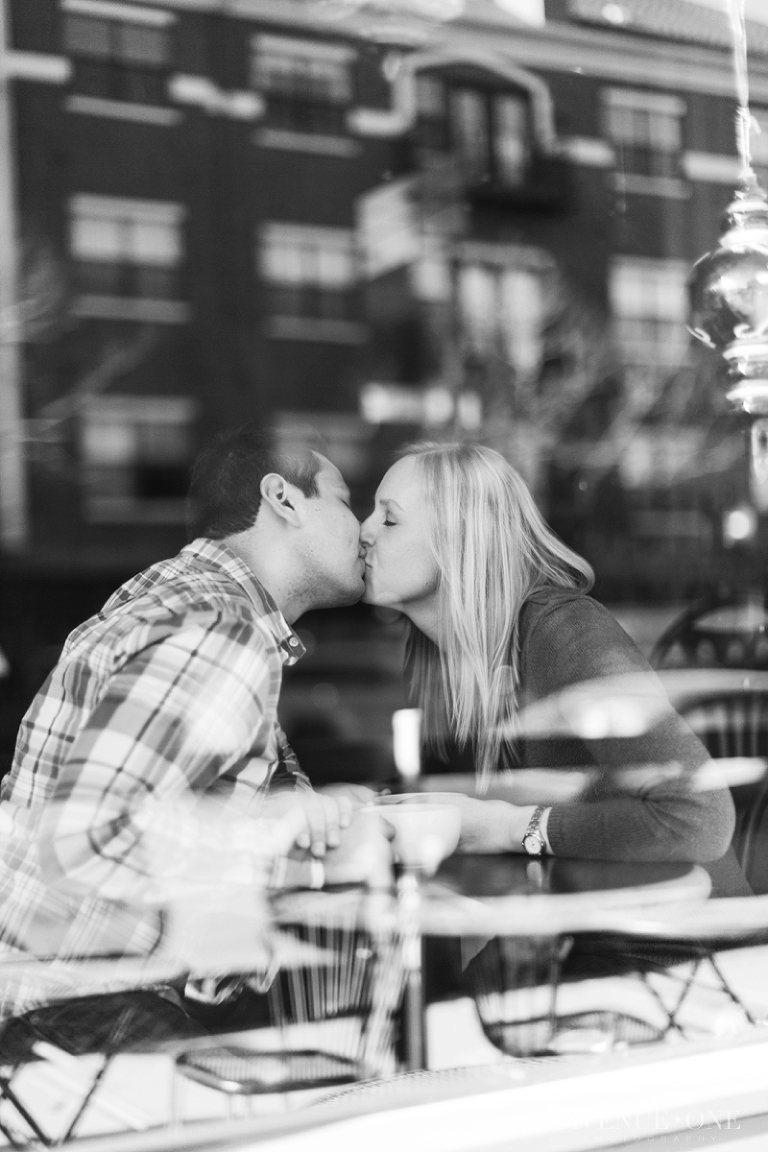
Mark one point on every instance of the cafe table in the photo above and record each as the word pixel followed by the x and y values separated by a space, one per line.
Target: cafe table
pixel 486 896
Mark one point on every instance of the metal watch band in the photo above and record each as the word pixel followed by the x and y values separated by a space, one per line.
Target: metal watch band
pixel 533 840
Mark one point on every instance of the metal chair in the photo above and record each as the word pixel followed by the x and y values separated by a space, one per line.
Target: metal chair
pixel 333 1020
pixel 721 630
pixel 104 1006
pixel 713 660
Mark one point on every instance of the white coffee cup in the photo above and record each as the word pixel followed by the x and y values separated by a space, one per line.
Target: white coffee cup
pixel 425 833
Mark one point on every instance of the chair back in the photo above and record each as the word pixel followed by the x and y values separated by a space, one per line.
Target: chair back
pixel 735 724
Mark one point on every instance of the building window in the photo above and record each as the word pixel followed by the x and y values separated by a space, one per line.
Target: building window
pixel 310 271
pixel 649 305
pixel 646 129
pixel 116 58
pixel 307 83
pixel 126 248
pixel 136 453
pixel 502 314
pixel 486 128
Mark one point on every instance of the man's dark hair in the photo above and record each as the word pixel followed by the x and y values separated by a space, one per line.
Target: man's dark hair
pixel 225 493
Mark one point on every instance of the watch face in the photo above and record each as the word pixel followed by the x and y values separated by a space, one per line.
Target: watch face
pixel 533 843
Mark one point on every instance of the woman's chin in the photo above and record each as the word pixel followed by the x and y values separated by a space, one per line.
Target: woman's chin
pixel 371 596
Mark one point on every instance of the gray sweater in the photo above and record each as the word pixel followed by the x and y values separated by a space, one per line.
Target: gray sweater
pixel 565 638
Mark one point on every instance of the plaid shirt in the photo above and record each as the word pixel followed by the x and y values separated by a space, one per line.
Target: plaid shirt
pixel 169 694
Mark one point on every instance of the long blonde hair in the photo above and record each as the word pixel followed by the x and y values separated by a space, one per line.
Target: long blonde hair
pixel 492 549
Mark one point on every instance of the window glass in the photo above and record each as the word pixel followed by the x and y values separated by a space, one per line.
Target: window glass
pixel 470 131
pixel 118 59
pixel 759 142
pixel 139 44
pixel 87 36
pixel 430 96
pixel 311 270
pixel 510 138
pixel 649 303
pixel 308 84
pixel 136 452
pixel 126 248
pixel 647 132
pixel 97 239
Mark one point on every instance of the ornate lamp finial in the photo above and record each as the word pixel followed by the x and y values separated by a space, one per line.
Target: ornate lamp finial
pixel 728 288
pixel 728 293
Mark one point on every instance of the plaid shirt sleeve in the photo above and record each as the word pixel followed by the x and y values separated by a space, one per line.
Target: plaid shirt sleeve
pixel 190 713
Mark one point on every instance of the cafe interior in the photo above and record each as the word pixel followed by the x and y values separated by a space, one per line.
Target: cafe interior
pixel 591 301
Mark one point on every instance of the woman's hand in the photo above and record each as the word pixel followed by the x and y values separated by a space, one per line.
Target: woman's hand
pixel 492 825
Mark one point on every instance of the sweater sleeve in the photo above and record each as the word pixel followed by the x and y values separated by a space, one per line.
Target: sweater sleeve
pixel 654 812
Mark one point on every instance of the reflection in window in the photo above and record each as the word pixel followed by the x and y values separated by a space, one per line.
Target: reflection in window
pixel 119 59
pixel 470 131
pixel 649 304
pixel 136 453
pixel 759 144
pixel 310 270
pixel 486 128
pixel 125 247
pixel 502 313
pixel 307 83
pixel 646 128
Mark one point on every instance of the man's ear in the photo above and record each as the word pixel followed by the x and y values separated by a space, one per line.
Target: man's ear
pixel 281 497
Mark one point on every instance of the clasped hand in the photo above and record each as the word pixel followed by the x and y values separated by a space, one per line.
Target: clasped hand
pixel 353 845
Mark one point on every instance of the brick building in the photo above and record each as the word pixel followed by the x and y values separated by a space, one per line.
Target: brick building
pixel 479 216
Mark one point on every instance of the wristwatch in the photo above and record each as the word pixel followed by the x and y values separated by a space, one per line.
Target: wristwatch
pixel 533 841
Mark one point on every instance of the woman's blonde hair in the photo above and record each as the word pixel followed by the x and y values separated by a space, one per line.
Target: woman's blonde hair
pixel 492 549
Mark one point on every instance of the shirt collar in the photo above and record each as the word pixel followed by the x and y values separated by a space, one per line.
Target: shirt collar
pixel 221 556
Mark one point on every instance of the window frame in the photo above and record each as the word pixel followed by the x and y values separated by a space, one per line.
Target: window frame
pixel 648 281
pixel 111 486
pixel 438 125
pixel 303 104
pixel 122 277
pixel 117 71
pixel 290 261
pixel 647 132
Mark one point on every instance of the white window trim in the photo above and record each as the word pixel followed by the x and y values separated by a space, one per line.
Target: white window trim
pixel 282 138
pixel 639 100
pixel 110 10
pixel 123 110
pixel 519 256
pixel 39 66
pixel 138 310
pixel 638 184
pixel 200 91
pixel 126 208
pixel 307 49
pixel 590 151
pixel 648 264
pixel 711 167
pixel 142 409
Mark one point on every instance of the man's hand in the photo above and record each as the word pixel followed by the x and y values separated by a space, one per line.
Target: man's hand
pixel 492 825
pixel 349 797
pixel 364 855
pixel 309 820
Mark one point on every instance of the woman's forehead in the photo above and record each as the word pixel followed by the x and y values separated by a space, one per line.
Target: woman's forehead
pixel 403 479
